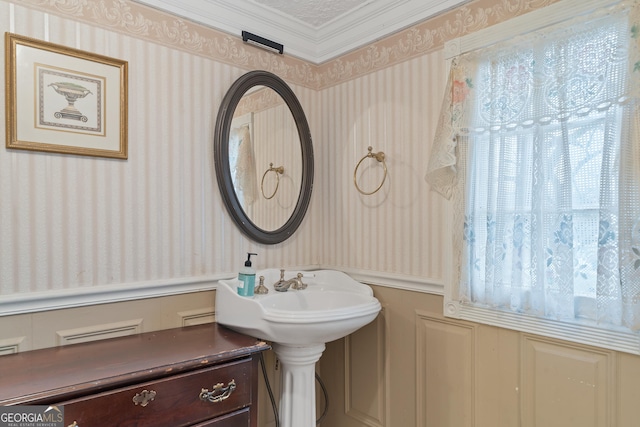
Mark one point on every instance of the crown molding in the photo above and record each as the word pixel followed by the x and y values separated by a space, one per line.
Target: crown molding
pixel 316 45
pixel 137 19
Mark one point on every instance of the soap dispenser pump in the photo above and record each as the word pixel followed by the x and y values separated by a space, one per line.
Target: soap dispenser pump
pixel 247 278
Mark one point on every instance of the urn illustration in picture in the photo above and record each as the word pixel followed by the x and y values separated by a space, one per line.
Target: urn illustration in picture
pixel 72 92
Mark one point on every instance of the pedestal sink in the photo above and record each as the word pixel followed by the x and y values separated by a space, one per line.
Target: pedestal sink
pixel 298 323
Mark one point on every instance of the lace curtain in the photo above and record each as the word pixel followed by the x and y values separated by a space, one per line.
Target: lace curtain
pixel 243 165
pixel 538 145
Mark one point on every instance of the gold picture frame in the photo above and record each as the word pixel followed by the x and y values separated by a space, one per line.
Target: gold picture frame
pixel 64 100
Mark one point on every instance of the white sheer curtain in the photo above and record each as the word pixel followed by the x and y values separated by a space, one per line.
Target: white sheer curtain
pixel 538 145
pixel 243 165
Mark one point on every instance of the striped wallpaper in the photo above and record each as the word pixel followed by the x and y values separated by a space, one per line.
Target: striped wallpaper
pixel 72 224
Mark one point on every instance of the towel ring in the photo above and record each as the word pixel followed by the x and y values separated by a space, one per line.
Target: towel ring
pixel 380 158
pixel 278 171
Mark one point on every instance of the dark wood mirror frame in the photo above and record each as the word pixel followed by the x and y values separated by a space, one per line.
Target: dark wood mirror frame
pixel 221 156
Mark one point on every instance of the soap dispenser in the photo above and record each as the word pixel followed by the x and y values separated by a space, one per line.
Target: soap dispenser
pixel 247 278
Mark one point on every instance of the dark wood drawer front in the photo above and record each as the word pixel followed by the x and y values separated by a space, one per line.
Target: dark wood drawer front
pixel 176 402
pixel 241 418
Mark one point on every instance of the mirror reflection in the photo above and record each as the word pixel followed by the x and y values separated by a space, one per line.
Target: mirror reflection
pixel 265 158
pixel 263 155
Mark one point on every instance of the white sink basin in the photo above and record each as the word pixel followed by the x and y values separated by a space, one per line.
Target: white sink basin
pixel 298 323
pixel 332 306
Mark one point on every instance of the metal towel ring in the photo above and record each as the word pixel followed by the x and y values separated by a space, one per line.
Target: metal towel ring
pixel 278 171
pixel 379 156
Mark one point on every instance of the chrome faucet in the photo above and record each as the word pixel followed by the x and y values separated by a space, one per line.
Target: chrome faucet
pixel 293 283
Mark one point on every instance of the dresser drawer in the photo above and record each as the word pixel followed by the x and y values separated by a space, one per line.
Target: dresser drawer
pixel 241 418
pixel 175 401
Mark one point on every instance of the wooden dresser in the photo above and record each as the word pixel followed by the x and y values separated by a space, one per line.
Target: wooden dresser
pixel 200 376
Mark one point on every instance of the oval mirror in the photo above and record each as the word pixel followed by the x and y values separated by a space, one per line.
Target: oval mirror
pixel 263 157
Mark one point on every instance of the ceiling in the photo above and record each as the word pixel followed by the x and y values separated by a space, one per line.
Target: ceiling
pixel 314 30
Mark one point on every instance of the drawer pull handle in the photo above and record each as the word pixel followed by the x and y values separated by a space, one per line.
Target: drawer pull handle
pixel 219 392
pixel 144 397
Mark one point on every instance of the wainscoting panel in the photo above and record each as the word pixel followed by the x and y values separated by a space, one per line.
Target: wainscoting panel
pixel 99 332
pixel 450 373
pixel 266 414
pixel 15 334
pixel 445 370
pixel 197 317
pixel 81 324
pixel 366 374
pixel 566 385
pixel 10 345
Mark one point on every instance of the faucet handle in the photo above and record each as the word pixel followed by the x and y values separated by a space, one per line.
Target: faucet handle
pixel 299 284
pixel 261 289
pixel 280 284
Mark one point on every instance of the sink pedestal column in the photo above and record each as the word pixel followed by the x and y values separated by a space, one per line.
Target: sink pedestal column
pixel 298 397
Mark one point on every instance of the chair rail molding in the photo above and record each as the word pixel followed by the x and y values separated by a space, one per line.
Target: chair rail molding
pixel 32 302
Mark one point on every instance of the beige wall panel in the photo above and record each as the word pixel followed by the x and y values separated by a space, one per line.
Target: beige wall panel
pixel 11 345
pixel 566 385
pixel 493 383
pixel 628 396
pixel 402 378
pixel 78 324
pixel 15 334
pixel 197 317
pixel 187 309
pixel 266 415
pixel 47 324
pixel 401 324
pixel 332 370
pixel 99 332
pixel 497 369
pixel 445 355
pixel 366 370
pixel 544 368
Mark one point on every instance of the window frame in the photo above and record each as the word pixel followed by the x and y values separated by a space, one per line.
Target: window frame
pixel 589 333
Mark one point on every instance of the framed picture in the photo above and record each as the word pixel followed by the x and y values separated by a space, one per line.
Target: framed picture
pixel 64 100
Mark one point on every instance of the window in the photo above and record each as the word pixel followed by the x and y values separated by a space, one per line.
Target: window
pixel 538 146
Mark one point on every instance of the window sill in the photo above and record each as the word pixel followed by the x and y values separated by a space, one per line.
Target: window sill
pixel 582 333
